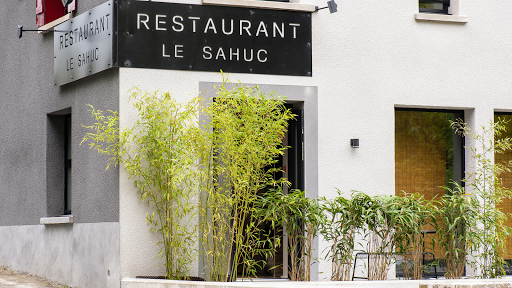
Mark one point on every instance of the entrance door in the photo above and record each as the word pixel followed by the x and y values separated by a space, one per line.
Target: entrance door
pixel 293 166
pixel 292 163
pixel 295 169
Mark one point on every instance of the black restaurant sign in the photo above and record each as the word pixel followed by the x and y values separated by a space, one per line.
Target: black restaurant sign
pixel 213 38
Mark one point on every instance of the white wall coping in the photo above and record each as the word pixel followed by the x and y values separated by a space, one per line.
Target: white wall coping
pixel 263 5
pixel 47 27
pixel 65 219
pixel 462 283
pixel 441 17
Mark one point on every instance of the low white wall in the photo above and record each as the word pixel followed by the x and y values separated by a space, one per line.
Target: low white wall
pixel 466 283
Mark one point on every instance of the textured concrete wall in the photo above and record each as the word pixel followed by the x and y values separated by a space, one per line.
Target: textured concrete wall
pixel 28 95
pixel 77 255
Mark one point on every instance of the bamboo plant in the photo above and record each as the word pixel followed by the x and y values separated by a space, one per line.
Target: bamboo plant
pixel 345 218
pixel 383 227
pixel 455 220
pixel 247 128
pixel 485 185
pixel 159 154
pixel 300 218
pixel 409 240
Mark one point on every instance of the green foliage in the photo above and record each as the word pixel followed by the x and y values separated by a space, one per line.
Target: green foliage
pixel 247 127
pixel 231 159
pixel 300 218
pixel 484 184
pixel 393 224
pixel 345 218
pixel 413 215
pixel 456 215
pixel 159 154
pixel 105 136
pixel 389 225
pixel 170 156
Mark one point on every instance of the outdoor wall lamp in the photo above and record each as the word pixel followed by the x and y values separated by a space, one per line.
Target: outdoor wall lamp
pixel 333 8
pixel 354 143
pixel 20 31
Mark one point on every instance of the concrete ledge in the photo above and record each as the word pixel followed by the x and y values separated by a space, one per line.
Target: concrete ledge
pixel 262 5
pixel 47 27
pixel 68 219
pixel 466 283
pixel 441 18
pixel 469 284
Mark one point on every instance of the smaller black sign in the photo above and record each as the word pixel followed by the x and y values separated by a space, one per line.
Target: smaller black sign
pixel 213 38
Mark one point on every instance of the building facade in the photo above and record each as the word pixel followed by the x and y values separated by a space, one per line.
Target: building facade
pixel 368 68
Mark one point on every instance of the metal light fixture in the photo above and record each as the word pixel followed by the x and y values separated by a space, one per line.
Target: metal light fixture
pixel 354 143
pixel 333 7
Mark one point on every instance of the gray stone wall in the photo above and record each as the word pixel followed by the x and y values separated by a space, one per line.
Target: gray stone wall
pixel 29 183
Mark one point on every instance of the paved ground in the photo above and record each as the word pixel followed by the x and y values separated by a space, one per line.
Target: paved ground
pixel 14 279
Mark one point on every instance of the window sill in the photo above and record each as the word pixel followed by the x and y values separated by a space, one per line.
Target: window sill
pixel 262 5
pixel 441 18
pixel 47 27
pixel 67 219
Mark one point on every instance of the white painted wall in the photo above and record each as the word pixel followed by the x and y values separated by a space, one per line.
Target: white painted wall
pixel 367 59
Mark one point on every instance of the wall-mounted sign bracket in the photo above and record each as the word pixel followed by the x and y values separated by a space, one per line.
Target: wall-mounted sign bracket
pixel 20 31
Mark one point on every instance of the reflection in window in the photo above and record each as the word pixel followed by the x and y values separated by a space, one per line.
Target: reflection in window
pixel 506 180
pixel 431 5
pixel 428 154
pixel 434 6
pixel 67 174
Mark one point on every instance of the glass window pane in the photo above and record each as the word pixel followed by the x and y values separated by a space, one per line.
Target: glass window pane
pixel 506 180
pixel 68 180
pixel 432 5
pixel 428 154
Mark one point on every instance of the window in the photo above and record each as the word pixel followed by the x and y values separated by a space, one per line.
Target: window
pixel 506 180
pixel 58 163
pixel 67 165
pixel 50 10
pixel 434 6
pixel 428 153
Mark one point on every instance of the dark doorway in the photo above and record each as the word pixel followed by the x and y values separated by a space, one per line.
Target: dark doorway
pixel 292 163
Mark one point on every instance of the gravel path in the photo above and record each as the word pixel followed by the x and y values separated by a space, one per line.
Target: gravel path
pixel 15 279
